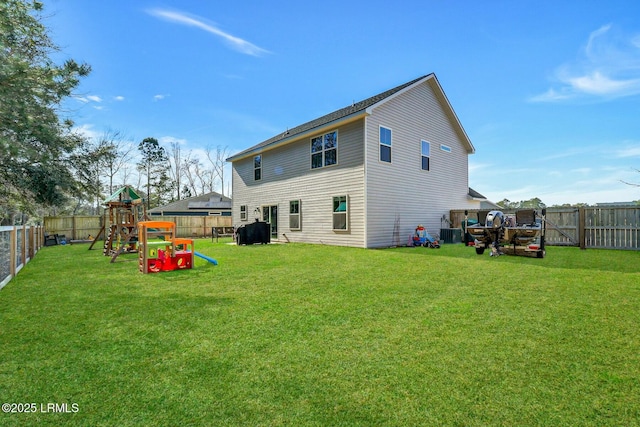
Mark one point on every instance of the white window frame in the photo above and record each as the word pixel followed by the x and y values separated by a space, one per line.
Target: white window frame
pixel 422 155
pixel 243 212
pixel 445 148
pixel 295 216
pixel 324 150
pixel 340 200
pixel 385 144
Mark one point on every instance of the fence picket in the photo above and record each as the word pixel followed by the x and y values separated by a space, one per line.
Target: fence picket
pixel 604 228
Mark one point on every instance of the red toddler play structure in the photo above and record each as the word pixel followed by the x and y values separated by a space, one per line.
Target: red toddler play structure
pixel 169 254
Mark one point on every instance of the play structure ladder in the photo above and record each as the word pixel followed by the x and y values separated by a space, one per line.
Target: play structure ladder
pixel 108 243
pixel 126 241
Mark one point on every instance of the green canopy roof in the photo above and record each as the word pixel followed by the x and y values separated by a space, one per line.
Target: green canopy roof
pixel 123 193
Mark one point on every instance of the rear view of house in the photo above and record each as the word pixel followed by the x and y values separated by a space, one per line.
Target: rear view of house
pixel 365 175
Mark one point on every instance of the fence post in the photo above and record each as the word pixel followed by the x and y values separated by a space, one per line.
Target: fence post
pixel 24 245
pixel 581 228
pixel 13 247
pixel 32 242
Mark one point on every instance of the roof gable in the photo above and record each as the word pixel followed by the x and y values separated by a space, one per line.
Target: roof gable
pixel 355 110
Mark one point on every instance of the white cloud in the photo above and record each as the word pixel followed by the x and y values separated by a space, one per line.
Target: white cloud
pixel 118 98
pixel 87 131
pixel 166 140
pixel 88 98
pixel 628 152
pixel 608 67
pixel 234 42
pixel 551 95
pixel 598 84
pixel 475 167
pixel 159 97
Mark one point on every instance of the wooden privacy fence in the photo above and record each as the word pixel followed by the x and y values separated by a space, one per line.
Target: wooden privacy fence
pixel 587 227
pixel 18 245
pixel 80 227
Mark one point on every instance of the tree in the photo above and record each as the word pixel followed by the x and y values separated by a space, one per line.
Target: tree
pixel 120 156
pixel 192 168
pixel 153 164
pixel 90 161
pixel 218 160
pixel 534 203
pixel 176 167
pixel 34 140
pixel 632 183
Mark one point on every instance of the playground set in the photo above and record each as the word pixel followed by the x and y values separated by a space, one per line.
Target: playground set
pixel 130 231
pixel 169 252
pixel 126 209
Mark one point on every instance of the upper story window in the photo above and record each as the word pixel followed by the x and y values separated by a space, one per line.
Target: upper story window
pixel 324 150
pixel 385 144
pixel 445 148
pixel 257 168
pixel 425 150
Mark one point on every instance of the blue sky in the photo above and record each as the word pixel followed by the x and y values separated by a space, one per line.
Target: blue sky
pixel 548 91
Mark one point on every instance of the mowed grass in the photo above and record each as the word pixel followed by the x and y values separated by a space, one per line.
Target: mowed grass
pixel 312 335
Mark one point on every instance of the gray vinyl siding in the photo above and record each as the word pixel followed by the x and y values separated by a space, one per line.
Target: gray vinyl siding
pixel 400 195
pixel 287 175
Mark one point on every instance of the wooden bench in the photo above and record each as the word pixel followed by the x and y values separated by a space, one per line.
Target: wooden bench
pixel 217 232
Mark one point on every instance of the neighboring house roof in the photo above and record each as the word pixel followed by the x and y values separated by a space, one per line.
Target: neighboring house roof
pixel 123 193
pixel 484 202
pixel 209 201
pixel 475 195
pixel 358 109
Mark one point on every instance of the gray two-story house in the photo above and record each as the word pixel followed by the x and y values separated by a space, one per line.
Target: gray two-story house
pixel 365 175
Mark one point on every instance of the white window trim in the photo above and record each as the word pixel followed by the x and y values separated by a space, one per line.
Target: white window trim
pixel 299 215
pixel 311 153
pixel 386 145
pixel 243 215
pixel 445 148
pixel 346 214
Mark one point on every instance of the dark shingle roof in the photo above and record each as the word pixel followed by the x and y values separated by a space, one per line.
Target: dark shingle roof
pixel 336 115
pixel 211 200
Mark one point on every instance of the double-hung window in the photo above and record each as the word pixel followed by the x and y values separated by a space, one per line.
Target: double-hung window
pixel 340 213
pixel 425 149
pixel 257 168
pixel 324 150
pixel 243 212
pixel 294 215
pixel 385 144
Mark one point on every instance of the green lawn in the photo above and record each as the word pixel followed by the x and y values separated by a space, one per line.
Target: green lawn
pixel 324 336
